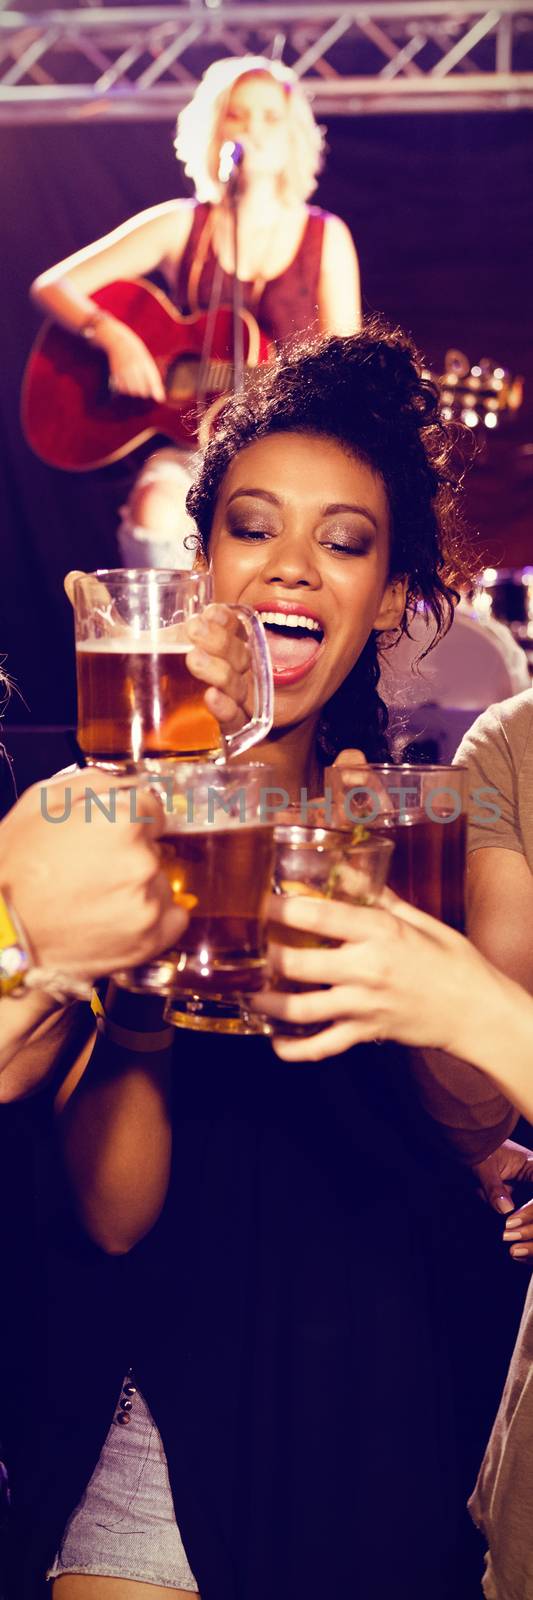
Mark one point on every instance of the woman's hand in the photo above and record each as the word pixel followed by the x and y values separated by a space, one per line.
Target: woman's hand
pixel 394 974
pixel 221 658
pixel 510 1163
pixel 132 370
pixel 519 1231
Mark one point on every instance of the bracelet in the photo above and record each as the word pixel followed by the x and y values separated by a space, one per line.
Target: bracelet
pixel 129 1038
pixel 89 327
pixel 15 957
pixel 19 975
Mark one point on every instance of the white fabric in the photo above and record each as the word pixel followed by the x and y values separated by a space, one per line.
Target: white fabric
pixel 477 663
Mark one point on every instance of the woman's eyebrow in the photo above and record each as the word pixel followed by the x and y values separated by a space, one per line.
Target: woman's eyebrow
pixel 325 511
pixel 259 494
pixel 361 511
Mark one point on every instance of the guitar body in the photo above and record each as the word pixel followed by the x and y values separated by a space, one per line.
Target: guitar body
pixel 70 418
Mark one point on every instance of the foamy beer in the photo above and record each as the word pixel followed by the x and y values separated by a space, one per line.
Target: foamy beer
pixel 424 811
pixel 138 703
pixel 217 851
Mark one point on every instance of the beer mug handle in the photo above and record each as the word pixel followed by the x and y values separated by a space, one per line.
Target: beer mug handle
pixel 262 716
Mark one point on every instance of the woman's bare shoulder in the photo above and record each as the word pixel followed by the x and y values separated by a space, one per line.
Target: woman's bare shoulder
pixel 170 219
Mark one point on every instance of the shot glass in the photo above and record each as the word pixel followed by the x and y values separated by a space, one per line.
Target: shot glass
pixel 324 863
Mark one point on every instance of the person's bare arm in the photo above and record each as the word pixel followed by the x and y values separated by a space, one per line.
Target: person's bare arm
pixel 154 238
pixel 115 1127
pixel 339 290
pixel 140 245
pixel 500 919
pixel 39 1038
pixel 500 911
pixel 112 1107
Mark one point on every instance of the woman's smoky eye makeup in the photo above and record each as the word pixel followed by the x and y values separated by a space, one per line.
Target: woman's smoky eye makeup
pixel 347 540
pixel 249 523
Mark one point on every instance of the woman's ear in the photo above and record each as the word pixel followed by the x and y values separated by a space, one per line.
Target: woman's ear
pixel 200 563
pixel 392 605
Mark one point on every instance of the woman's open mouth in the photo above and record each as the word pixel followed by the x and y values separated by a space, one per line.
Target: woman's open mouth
pixel 295 641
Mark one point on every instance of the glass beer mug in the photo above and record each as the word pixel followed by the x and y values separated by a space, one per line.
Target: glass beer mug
pixel 217 850
pixel 138 703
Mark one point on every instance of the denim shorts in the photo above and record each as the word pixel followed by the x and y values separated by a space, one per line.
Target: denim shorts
pixel 125 1525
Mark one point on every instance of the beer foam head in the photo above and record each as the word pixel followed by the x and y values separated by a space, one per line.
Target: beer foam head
pixel 170 641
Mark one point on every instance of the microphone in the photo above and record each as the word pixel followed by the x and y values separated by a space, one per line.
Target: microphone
pixel 231 156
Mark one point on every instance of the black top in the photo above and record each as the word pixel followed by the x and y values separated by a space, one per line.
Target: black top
pixel 294 1322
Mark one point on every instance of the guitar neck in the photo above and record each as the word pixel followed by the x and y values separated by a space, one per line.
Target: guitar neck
pixel 216 376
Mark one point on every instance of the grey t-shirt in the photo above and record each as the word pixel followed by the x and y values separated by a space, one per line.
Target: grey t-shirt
pixel 498 751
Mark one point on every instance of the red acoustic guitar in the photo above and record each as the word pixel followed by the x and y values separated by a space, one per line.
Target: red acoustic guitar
pixel 70 418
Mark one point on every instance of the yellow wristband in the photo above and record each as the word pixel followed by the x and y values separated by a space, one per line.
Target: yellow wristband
pixel 15 959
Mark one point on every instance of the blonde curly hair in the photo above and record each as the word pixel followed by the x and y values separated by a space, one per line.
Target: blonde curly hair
pixel 197 134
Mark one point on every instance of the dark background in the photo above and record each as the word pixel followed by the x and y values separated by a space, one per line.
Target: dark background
pixel 440 208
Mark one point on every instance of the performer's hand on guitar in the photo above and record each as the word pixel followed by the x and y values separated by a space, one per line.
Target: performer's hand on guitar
pixel 132 370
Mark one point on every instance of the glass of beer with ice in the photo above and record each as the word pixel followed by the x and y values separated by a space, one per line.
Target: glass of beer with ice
pixel 138 703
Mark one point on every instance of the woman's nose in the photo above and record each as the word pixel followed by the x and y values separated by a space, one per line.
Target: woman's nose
pixel 292 563
pixel 257 128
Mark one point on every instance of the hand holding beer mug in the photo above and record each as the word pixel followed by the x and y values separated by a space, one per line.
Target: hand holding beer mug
pixel 147 644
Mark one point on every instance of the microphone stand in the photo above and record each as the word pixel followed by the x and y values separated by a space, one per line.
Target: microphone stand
pixel 237 298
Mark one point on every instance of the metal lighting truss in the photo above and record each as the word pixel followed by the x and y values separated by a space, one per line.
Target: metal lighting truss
pixel 374 56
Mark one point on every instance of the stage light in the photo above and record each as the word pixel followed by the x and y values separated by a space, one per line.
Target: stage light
pixel 476 372
pixel 491 419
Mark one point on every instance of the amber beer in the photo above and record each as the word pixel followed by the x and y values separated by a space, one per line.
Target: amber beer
pixel 428 864
pixel 423 809
pixel 141 702
pixel 221 876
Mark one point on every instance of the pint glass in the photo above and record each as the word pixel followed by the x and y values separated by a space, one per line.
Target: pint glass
pixel 423 809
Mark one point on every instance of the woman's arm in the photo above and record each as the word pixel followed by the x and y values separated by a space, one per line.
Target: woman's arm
pixel 339 290
pixel 500 918
pixel 115 1124
pixel 39 1038
pixel 154 238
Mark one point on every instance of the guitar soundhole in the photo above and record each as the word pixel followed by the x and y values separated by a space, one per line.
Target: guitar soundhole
pixel 182 377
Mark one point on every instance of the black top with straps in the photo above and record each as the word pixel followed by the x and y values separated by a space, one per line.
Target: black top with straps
pixel 290 1321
